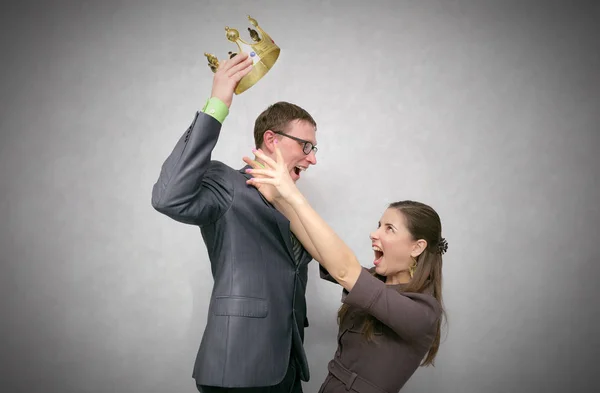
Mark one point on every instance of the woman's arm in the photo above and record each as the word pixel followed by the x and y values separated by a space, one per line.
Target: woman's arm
pixel 297 228
pixel 412 316
pixel 334 254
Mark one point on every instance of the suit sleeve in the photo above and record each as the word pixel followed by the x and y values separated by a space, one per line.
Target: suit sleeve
pixel 191 188
pixel 324 274
pixel 410 315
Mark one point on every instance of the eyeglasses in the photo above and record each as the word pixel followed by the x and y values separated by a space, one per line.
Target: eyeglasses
pixel 307 146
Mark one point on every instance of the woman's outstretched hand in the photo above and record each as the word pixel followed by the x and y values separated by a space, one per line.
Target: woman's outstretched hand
pixel 273 180
pixel 267 190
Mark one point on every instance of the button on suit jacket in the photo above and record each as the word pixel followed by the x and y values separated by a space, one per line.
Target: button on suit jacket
pixel 257 311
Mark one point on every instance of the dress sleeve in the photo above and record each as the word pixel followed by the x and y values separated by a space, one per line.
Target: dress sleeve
pixel 410 315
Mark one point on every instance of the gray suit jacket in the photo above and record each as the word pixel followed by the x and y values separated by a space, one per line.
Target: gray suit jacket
pixel 257 312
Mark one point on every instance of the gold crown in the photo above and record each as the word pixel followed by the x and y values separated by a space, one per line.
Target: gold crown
pixel 263 52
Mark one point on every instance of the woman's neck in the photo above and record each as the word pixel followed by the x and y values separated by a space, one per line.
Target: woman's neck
pixel 400 278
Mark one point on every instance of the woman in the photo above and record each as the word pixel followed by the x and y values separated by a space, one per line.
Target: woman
pixel 390 320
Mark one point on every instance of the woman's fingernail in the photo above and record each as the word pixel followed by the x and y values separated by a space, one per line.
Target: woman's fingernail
pixel 248 170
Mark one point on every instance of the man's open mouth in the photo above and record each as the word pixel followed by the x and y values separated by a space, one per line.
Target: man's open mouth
pixel 298 169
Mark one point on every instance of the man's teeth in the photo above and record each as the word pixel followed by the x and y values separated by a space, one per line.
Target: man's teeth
pixel 300 168
pixel 375 248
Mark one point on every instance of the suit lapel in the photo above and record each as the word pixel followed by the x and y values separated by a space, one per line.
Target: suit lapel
pixel 282 222
pixel 284 230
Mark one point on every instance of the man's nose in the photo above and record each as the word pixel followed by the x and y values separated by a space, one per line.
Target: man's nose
pixel 312 158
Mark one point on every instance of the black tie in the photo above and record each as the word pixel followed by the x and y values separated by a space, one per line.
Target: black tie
pixel 297 247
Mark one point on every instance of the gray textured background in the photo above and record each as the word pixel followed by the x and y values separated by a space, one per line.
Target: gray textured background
pixel 488 111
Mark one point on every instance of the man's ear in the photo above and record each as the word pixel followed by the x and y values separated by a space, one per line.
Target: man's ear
pixel 269 141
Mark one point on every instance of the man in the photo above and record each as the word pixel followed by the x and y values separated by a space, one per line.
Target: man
pixel 257 313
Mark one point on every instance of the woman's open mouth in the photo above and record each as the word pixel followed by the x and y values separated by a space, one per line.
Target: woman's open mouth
pixel 378 255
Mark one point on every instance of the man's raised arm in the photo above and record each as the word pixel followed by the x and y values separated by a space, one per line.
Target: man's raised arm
pixel 189 188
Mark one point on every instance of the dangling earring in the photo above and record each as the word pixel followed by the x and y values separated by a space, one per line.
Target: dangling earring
pixel 411 270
